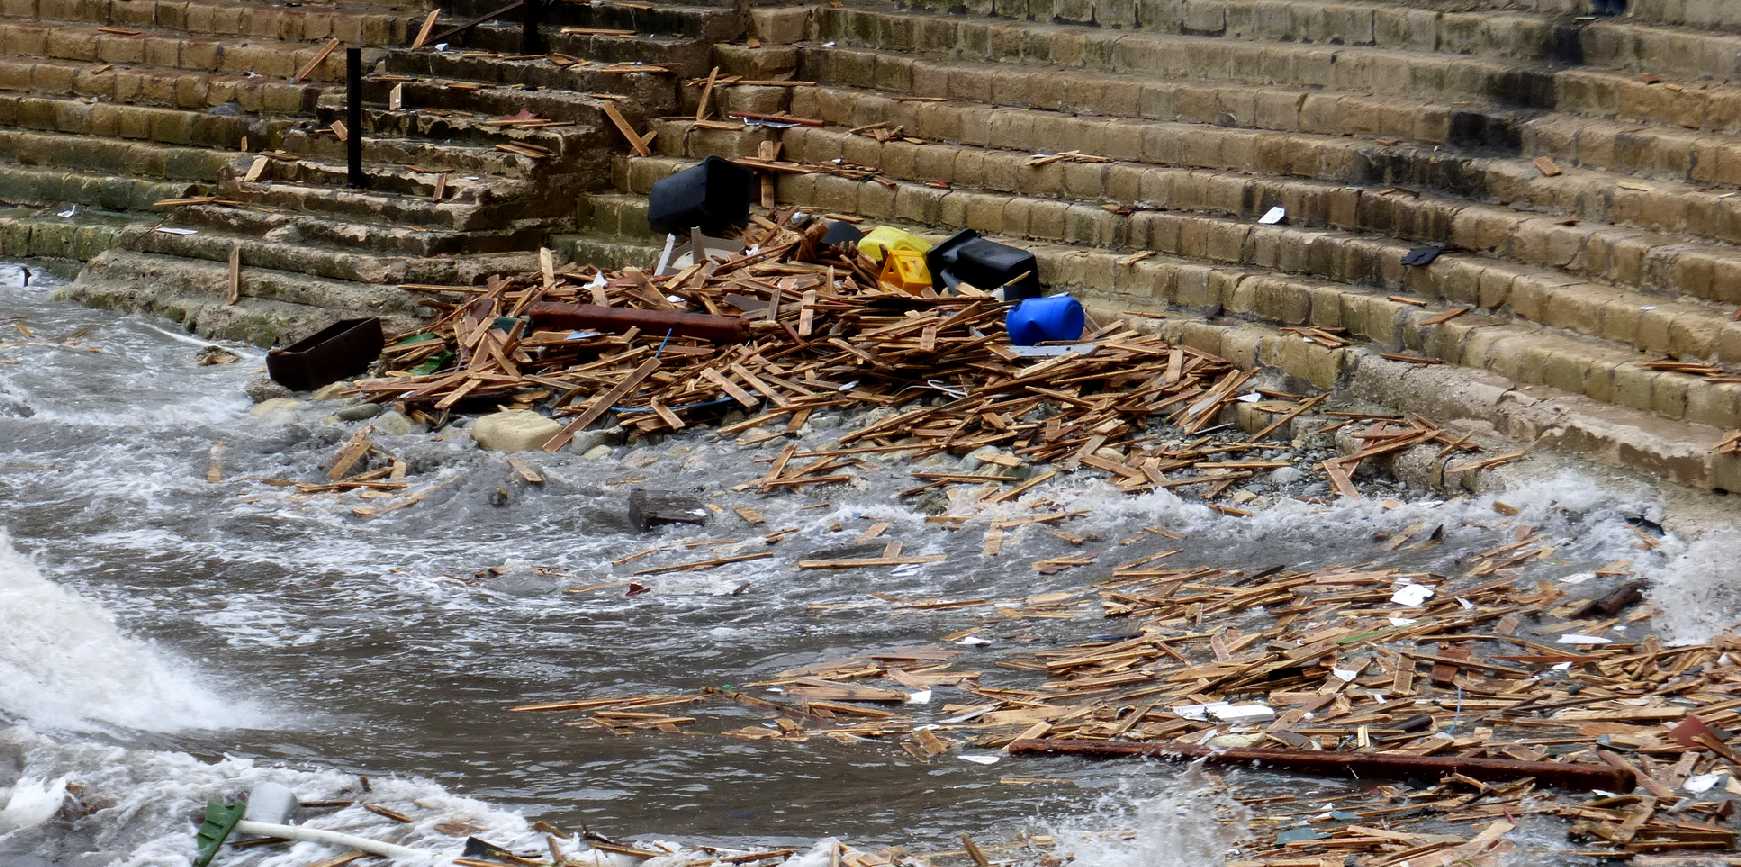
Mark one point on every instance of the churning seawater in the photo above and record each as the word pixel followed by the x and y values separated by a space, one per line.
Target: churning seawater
pixel 166 640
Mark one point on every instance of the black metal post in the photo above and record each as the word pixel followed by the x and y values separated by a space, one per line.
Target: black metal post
pixel 354 117
pixel 531 17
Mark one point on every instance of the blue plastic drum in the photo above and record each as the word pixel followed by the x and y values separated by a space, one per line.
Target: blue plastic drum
pixel 1035 320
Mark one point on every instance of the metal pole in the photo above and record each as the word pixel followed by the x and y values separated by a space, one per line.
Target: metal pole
pixel 531 16
pixel 354 117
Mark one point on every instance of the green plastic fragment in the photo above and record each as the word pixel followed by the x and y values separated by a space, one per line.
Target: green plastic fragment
pixel 420 337
pixel 220 820
pixel 433 363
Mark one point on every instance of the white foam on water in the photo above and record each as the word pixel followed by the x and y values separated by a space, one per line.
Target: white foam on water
pixel 1187 825
pixel 1697 589
pixel 66 664
pixel 143 804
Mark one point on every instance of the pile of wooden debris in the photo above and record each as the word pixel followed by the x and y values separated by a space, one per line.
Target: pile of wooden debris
pixel 789 326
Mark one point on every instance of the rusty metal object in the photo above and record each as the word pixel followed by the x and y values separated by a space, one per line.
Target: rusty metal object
pixel 1566 775
pixel 719 329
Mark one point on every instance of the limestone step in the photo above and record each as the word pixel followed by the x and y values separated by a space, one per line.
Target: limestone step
pixel 96 154
pixel 606 252
pixel 683 138
pixel 351 23
pixel 391 179
pixel 1625 256
pixel 288 251
pixel 383 208
pixel 323 230
pixel 652 92
pixel 454 158
pixel 158 86
pixel 1007 46
pixel 1499 32
pixel 275 306
pixel 487 100
pixel 142 123
pixel 1643 322
pixel 170 49
pixel 1624 43
pixel 1096 267
pixel 713 23
pixel 684 56
pixel 1107 96
pixel 58 188
pixel 39 233
pixel 1476 400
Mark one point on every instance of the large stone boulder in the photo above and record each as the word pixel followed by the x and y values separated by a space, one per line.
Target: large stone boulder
pixel 513 431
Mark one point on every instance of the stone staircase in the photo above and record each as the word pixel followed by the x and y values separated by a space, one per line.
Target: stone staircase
pixel 1584 172
pixel 474 155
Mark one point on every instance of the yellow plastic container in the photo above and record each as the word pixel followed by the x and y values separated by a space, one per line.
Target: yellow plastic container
pixel 877 242
pixel 905 271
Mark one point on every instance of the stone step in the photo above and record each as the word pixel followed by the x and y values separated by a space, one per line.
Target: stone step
pixel 275 306
pixel 38 233
pixel 1660 152
pixel 169 49
pixel 1632 439
pixel 1091 263
pixel 1513 36
pixel 158 86
pixel 491 101
pixel 396 180
pixel 653 92
pixel 580 146
pixel 322 230
pixel 1625 256
pixel 712 23
pixel 1131 97
pixel 1644 322
pixel 606 252
pixel 58 188
pixel 1000 49
pixel 456 159
pixel 351 23
pixel 386 208
pixel 683 138
pixel 112 156
pixel 684 56
pixel 1495 32
pixel 142 123
pixel 287 251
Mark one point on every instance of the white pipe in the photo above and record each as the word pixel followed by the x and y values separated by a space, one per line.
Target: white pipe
pixel 337 838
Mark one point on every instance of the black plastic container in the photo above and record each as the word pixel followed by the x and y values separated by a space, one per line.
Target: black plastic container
pixel 714 196
pixel 345 348
pixel 967 258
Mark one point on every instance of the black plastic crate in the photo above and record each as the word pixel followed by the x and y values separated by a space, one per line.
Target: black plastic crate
pixel 340 350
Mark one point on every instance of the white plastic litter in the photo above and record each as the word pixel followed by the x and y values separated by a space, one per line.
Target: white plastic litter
pixel 1411 595
pixel 981 758
pixel 1575 638
pixel 1700 784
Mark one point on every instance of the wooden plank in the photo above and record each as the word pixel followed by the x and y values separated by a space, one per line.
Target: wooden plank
pixel 601 404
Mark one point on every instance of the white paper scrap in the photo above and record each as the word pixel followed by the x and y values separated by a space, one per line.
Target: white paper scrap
pixel 1273 216
pixel 1575 638
pixel 980 759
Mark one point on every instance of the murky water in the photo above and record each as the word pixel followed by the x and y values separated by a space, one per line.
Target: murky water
pixel 165 639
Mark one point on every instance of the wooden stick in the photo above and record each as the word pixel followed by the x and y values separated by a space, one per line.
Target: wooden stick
pixel 1570 775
